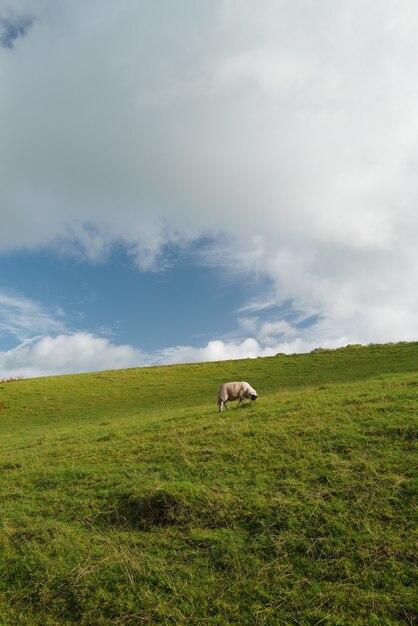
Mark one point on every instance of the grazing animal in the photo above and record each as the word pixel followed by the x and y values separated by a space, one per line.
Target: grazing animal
pixel 235 391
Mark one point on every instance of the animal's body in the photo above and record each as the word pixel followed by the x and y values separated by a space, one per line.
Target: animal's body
pixel 235 391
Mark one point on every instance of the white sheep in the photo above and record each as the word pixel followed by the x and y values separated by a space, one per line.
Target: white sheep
pixel 235 391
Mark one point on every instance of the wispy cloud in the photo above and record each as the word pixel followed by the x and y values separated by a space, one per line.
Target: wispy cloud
pixel 257 305
pixel 25 319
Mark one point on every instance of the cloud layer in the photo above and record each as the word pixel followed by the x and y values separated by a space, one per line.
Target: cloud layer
pixel 48 346
pixel 85 352
pixel 284 131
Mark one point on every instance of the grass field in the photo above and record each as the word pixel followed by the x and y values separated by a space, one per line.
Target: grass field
pixel 126 498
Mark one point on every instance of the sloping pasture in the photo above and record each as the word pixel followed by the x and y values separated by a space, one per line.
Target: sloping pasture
pixel 126 498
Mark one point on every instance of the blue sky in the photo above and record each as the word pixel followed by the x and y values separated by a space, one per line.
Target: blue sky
pixel 183 304
pixel 200 181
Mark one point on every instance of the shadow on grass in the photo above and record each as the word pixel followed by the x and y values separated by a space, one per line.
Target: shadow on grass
pixel 145 511
pixel 184 509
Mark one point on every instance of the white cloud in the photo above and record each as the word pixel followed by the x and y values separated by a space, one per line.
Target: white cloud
pixel 215 350
pixel 66 354
pixel 286 131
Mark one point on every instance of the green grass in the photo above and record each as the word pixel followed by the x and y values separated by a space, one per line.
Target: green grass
pixel 126 498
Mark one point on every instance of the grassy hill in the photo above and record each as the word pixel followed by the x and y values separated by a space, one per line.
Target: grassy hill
pixel 126 498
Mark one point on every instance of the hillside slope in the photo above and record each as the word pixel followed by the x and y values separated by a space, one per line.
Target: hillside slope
pixel 126 498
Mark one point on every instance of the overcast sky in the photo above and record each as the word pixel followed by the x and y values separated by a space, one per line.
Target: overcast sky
pixel 188 181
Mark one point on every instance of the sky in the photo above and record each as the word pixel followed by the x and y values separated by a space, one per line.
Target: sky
pixel 191 181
